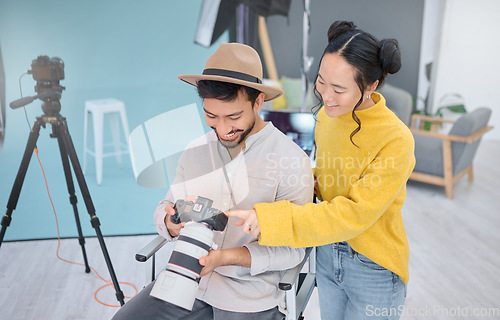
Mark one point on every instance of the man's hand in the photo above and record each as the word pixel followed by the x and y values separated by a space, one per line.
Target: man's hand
pixel 225 257
pixel 211 261
pixel 173 229
pixel 249 222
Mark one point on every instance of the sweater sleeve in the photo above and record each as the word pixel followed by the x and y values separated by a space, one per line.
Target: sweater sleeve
pixel 273 258
pixel 344 217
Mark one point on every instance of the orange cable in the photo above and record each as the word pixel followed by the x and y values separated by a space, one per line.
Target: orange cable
pixel 108 282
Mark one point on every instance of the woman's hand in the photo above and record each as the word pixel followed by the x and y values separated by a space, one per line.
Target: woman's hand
pixel 249 221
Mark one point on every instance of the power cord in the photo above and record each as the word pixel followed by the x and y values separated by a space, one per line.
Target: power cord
pixel 108 282
pixel 24 107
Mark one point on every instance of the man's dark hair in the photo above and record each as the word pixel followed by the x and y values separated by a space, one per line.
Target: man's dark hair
pixel 226 91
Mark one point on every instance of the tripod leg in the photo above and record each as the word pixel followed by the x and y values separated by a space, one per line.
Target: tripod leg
pixel 21 174
pixel 71 191
pixel 70 148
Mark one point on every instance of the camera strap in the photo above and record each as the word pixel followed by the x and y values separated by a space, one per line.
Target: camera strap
pixel 233 201
pixel 226 176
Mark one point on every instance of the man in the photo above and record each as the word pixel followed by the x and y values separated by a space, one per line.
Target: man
pixel 243 161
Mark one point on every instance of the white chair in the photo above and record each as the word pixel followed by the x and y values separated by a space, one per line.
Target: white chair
pixel 298 283
pixel 97 109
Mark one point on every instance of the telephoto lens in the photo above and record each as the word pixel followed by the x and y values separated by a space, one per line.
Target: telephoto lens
pixel 178 283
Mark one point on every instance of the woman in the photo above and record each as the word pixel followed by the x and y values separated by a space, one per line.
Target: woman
pixel 363 160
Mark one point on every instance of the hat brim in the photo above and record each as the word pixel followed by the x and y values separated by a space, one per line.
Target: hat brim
pixel 269 91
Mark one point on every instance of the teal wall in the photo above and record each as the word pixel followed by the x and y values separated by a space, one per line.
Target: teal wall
pixel 129 50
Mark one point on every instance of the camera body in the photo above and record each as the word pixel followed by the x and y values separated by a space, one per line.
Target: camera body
pixel 178 283
pixel 48 72
pixel 201 211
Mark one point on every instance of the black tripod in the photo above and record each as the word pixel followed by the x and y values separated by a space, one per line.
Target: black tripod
pixel 60 131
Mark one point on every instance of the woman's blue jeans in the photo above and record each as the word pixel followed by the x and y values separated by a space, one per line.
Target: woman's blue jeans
pixel 352 287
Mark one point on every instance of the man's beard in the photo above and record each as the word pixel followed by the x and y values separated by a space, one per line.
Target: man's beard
pixel 234 144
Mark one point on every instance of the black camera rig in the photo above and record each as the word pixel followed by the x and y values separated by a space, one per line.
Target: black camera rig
pixel 200 211
pixel 47 72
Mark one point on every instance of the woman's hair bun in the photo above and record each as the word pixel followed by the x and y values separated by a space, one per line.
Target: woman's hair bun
pixel 390 55
pixel 339 27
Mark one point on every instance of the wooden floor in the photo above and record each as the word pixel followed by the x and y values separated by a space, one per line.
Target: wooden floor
pixel 454 264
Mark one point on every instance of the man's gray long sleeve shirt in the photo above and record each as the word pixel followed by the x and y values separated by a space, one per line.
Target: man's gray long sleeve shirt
pixel 270 168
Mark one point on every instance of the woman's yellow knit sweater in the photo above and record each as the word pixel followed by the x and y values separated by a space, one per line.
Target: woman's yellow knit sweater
pixel 362 190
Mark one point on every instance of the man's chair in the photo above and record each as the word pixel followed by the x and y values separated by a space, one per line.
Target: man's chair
pixel 152 163
pixel 399 101
pixel 298 283
pixel 442 159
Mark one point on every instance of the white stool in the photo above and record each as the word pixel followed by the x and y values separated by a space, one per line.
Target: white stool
pixel 116 111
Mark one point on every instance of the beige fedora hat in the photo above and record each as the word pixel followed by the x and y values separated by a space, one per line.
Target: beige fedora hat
pixel 234 63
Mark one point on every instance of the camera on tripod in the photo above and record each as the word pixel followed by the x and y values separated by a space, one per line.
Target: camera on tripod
pixel 178 283
pixel 47 72
pixel 45 69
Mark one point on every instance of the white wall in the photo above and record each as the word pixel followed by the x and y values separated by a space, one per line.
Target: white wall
pixel 468 56
pixel 431 31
